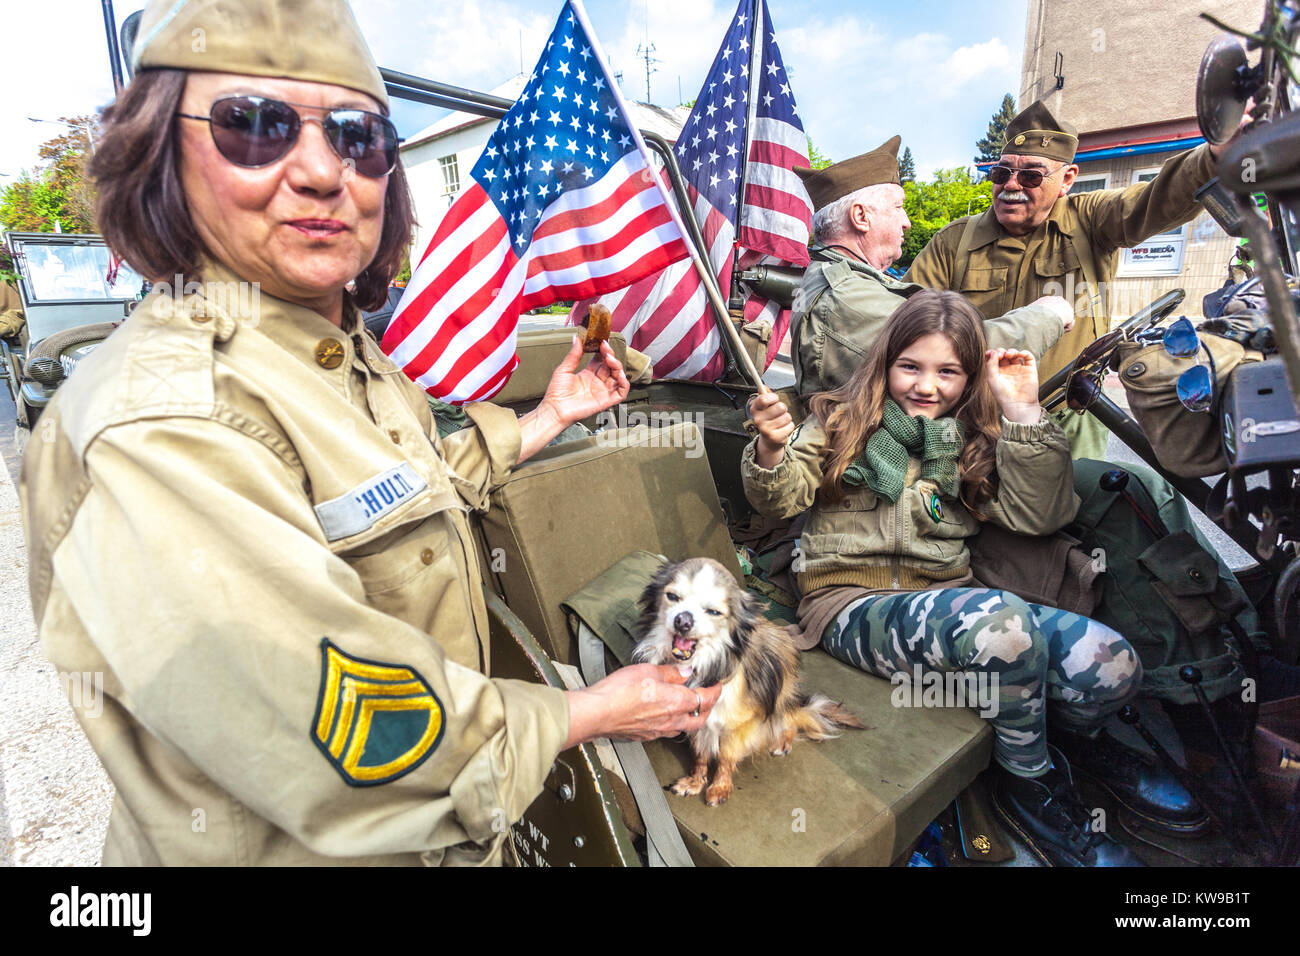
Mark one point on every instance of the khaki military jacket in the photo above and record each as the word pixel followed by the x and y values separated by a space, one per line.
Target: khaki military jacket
pixel 919 541
pixel 12 318
pixel 243 534
pixel 1003 272
pixel 843 303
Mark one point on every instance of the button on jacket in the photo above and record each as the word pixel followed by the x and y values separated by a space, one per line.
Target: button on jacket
pixel 240 526
pixel 843 304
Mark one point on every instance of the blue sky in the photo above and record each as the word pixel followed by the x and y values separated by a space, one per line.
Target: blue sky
pixel 933 71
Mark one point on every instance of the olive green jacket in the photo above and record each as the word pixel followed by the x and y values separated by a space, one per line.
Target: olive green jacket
pixel 1074 253
pixel 254 556
pixel 918 542
pixel 843 303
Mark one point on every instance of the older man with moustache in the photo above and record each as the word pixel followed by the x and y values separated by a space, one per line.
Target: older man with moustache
pixel 1037 239
pixel 846 294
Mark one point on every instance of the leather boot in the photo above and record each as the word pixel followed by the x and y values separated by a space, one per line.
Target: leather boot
pixel 1050 817
pixel 1140 784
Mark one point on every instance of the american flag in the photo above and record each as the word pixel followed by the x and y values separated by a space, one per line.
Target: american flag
pixel 561 205
pixel 668 315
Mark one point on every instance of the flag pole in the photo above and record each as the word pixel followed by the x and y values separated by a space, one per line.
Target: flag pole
pixel 751 113
pixel 756 9
pixel 707 278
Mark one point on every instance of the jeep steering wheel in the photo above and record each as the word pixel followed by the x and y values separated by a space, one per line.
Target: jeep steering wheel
pixel 1143 319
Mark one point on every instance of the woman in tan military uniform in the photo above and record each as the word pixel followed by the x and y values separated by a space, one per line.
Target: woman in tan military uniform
pixel 243 531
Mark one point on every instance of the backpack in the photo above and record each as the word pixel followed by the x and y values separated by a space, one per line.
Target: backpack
pixel 1169 594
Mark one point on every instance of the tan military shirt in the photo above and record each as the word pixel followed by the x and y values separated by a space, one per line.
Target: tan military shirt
pixel 843 304
pixel 1004 272
pixel 242 533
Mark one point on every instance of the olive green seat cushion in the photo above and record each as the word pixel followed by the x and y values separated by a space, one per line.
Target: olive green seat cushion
pixel 858 800
pixel 576 511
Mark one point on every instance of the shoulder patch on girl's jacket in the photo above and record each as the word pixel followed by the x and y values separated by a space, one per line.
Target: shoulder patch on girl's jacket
pixel 374 722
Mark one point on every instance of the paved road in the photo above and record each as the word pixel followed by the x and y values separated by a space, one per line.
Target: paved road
pixel 54 794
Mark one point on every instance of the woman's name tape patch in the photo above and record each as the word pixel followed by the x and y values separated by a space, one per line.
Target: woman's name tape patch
pixel 374 722
pixel 359 509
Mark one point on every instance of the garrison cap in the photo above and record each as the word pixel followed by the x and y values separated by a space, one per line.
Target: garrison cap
pixel 1037 132
pixel 313 40
pixel 839 179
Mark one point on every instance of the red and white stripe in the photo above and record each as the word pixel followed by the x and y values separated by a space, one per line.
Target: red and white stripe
pixel 777 214
pixel 454 330
pixel 668 316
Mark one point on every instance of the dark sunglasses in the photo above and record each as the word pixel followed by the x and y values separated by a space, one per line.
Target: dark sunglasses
pixel 253 131
pixel 1029 178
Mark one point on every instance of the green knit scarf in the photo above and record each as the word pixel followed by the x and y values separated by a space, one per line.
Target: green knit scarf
pixel 882 466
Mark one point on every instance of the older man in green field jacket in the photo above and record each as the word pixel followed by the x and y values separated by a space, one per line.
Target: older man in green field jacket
pixel 846 296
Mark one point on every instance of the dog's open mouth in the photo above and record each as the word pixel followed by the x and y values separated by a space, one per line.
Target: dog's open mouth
pixel 683 647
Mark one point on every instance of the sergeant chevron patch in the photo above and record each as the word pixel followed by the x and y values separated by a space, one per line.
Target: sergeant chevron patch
pixel 374 722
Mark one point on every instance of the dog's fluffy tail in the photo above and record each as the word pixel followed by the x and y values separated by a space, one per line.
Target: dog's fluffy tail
pixel 821 718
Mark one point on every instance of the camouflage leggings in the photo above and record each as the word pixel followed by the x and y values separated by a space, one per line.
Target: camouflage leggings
pixel 1015 655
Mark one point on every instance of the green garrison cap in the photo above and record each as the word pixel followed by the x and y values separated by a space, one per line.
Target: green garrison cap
pixel 1037 132
pixel 314 40
pixel 838 180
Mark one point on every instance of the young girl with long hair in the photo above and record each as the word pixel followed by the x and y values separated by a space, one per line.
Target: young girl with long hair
pixel 932 435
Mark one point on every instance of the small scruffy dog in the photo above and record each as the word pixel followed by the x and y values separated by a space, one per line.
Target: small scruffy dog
pixel 695 612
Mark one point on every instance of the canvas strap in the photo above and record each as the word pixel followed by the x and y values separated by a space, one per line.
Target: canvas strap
pixel 663 840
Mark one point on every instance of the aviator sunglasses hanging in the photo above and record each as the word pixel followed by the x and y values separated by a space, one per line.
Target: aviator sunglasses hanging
pixel 1195 387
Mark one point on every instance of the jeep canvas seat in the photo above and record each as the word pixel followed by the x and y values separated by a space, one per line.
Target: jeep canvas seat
pixel 575 510
pixel 540 351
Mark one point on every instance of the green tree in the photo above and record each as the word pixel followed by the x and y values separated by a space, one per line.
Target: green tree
pixel 990 147
pixel 58 191
pixel 951 194
pixel 816 158
pixel 906 167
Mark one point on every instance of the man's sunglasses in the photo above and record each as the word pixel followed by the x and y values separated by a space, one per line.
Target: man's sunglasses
pixel 1029 178
pixel 253 131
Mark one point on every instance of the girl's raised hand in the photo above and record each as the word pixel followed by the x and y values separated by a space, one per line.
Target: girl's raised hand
pixel 774 424
pixel 1013 379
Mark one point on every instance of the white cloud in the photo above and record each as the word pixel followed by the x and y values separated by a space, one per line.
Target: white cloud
pixel 859 83
pixel 968 62
pixel 56 62
pixel 859 79
pixel 476 45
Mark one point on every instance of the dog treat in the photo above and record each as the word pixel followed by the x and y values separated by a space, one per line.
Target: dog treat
pixel 598 328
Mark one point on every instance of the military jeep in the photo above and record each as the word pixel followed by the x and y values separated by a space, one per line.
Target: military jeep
pixel 73 297
pixel 574 535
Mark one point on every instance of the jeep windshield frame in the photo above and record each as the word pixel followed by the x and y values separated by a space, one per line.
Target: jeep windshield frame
pixel 69 269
